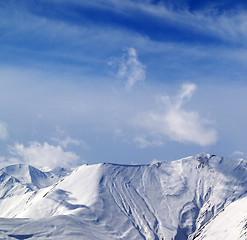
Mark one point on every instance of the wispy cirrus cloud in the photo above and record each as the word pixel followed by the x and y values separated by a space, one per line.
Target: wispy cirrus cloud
pixel 61 53
pixel 66 42
pixel 177 123
pixel 228 25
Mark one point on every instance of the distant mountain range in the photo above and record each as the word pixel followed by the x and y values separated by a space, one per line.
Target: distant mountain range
pixel 201 197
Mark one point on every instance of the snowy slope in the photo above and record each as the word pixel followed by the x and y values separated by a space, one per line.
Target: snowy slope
pixel 32 176
pixel 18 183
pixel 167 200
pixel 230 223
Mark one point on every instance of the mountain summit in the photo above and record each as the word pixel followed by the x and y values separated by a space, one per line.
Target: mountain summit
pixel 190 198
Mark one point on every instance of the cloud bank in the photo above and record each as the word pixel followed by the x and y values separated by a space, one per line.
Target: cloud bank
pixel 179 124
pixel 44 155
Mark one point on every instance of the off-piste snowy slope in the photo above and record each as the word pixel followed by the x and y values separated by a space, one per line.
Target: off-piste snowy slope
pixel 231 223
pixel 178 200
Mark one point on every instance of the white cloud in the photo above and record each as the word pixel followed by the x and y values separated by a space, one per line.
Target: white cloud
pixel 131 69
pixel 177 123
pixel 44 155
pixel 8 161
pixel 65 142
pixel 3 131
pixel 186 91
pixel 143 142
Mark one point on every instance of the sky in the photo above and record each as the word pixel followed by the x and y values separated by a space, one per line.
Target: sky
pixel 125 82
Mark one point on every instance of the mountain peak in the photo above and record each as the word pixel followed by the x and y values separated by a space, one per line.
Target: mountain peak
pixel 31 176
pixel 203 159
pixel 164 200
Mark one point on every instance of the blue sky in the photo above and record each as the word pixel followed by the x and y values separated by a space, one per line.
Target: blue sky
pixel 121 81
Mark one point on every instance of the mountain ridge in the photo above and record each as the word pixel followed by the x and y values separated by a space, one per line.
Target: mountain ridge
pixel 162 200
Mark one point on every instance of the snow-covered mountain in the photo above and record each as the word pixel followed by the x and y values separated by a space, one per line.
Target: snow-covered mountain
pixel 198 197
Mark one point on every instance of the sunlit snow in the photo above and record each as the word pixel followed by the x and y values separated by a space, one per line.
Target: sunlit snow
pixel 193 198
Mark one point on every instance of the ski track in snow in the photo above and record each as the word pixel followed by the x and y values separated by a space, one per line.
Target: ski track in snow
pixel 191 198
